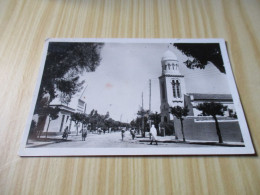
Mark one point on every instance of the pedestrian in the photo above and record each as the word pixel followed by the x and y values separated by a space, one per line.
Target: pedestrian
pixel 132 132
pixel 84 134
pixel 65 133
pixel 154 135
pixel 99 131
pixel 123 134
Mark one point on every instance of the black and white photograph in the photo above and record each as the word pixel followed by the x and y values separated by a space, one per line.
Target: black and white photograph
pixel 116 97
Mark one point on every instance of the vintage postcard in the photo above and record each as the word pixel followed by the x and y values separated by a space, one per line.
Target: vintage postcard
pixel 117 97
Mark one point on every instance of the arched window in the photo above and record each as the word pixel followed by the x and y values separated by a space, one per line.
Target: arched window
pixel 174 88
pixel 163 90
pixel 178 89
pixel 165 67
pixel 165 119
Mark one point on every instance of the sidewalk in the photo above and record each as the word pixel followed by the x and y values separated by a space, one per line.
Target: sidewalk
pixel 138 139
pixel 171 139
pixel 52 139
pixel 31 143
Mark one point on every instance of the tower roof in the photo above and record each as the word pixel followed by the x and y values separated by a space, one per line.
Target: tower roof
pixel 169 55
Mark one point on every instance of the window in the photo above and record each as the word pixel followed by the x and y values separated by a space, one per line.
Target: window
pixel 173 88
pixel 163 90
pixel 178 89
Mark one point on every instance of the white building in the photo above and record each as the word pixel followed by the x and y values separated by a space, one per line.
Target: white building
pixel 197 127
pixel 57 126
pixel 172 85
pixel 173 91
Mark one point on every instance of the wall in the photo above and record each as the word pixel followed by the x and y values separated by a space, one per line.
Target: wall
pixel 206 131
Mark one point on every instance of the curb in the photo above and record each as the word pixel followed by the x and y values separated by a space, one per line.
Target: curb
pixel 199 143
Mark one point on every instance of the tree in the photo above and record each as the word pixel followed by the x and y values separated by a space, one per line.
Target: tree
pixel 213 109
pixel 64 62
pixel 84 121
pixel 143 114
pixel 133 123
pixel 109 123
pixel 32 132
pixel 180 113
pixel 53 114
pixel 77 118
pixel 202 54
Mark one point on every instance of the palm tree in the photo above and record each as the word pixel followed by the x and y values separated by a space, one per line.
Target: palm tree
pixel 180 113
pixel 213 109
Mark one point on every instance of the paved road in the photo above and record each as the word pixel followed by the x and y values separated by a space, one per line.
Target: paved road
pixel 110 140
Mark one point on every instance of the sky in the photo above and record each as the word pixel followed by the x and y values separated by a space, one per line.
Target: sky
pixel 124 72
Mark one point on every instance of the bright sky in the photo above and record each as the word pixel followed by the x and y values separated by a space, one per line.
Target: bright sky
pixel 124 72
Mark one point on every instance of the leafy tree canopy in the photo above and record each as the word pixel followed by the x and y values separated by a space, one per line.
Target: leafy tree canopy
pixel 53 112
pixel 77 117
pixel 156 118
pixel 179 112
pixel 212 109
pixel 202 54
pixel 64 62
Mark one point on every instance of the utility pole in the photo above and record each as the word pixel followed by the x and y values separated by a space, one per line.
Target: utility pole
pixel 142 100
pixel 150 92
pixel 142 112
pixel 150 95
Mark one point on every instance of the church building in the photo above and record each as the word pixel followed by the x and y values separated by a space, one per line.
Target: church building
pixel 197 127
pixel 172 85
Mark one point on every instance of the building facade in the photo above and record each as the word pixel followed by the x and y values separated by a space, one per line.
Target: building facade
pixel 196 126
pixel 172 85
pixel 45 125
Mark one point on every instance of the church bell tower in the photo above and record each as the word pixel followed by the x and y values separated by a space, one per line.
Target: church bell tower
pixel 172 85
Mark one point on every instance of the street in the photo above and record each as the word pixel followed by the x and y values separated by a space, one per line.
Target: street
pixel 111 140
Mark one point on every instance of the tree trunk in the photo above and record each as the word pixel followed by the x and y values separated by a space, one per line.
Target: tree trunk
pixel 143 130
pixel 82 130
pixel 47 128
pixel 182 130
pixel 77 128
pixel 218 130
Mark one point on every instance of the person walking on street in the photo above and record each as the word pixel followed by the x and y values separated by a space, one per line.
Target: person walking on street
pixel 154 135
pixel 65 133
pixel 84 134
pixel 132 132
pixel 123 134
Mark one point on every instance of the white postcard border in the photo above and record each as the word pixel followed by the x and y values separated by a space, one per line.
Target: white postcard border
pixel 248 149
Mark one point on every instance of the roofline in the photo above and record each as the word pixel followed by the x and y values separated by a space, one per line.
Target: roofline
pixel 212 94
pixel 65 107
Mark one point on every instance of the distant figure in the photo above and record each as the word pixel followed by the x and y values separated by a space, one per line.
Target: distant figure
pixel 99 131
pixel 65 133
pixel 132 132
pixel 123 134
pixel 84 134
pixel 154 135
